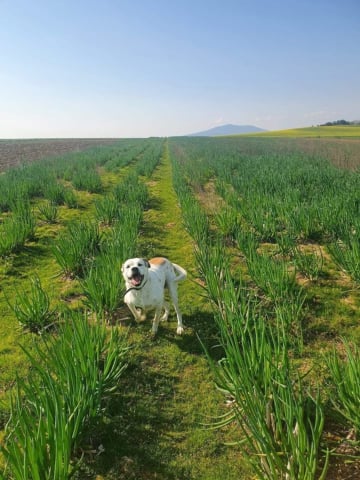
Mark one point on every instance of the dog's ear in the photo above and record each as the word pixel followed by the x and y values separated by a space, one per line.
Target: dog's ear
pixel 147 264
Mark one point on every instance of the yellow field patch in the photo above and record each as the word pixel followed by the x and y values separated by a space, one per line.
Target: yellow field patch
pixel 335 131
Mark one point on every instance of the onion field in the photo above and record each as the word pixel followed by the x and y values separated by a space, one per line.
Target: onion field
pixel 265 381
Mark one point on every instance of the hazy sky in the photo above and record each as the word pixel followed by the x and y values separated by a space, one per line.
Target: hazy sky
pixel 132 68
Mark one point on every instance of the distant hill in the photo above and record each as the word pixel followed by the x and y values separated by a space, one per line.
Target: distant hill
pixel 227 130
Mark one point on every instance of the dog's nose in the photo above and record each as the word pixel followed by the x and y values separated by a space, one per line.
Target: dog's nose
pixel 135 270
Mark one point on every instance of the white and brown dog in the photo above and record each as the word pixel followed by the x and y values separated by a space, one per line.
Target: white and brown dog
pixel 145 282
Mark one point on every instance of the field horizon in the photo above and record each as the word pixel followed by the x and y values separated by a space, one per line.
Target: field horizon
pixel 314 131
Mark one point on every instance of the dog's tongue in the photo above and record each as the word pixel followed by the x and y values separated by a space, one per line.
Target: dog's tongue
pixel 136 280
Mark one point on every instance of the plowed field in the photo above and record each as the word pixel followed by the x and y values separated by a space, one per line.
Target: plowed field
pixel 15 152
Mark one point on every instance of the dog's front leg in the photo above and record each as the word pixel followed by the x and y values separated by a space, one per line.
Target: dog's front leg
pixel 136 312
pixel 156 320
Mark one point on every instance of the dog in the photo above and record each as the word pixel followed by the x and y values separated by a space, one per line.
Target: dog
pixel 146 281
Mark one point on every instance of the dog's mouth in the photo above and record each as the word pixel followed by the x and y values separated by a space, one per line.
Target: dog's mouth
pixel 136 279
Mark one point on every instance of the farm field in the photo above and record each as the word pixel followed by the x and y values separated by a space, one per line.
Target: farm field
pixel 268 232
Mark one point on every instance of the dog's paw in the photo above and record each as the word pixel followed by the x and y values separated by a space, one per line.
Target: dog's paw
pixel 180 330
pixel 140 315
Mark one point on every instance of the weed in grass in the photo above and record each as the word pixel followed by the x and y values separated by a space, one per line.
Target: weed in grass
pixel 48 212
pixel 309 264
pixel 289 315
pixel 345 375
pixel 33 310
pixel 75 248
pixel 131 190
pixel 16 229
pixel 121 239
pixel 103 285
pixel 305 223
pixel 87 179
pixel 286 243
pixel 55 193
pixel 70 198
pixel 272 276
pixel 246 241
pixel 227 222
pixel 195 220
pixel 347 256
pixel 108 210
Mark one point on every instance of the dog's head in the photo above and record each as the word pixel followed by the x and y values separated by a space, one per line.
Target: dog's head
pixel 135 271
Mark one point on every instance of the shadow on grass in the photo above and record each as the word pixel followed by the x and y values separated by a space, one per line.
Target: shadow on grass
pixel 200 332
pixel 134 436
pixel 25 261
pixel 154 203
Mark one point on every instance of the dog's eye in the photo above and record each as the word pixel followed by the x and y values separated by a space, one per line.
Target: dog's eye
pixel 140 264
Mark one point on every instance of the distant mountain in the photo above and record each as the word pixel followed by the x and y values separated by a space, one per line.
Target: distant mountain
pixel 227 130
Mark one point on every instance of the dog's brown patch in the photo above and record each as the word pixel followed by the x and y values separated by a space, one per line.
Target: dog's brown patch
pixel 157 261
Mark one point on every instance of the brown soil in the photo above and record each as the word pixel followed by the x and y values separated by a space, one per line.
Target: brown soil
pixel 16 152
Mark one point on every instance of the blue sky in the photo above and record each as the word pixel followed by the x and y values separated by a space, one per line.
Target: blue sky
pixel 141 68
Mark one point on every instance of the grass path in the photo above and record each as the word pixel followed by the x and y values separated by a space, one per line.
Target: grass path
pixel 156 427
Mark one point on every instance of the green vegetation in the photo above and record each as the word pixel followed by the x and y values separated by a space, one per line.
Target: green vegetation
pixel 17 228
pixel 72 376
pixel 75 248
pixel 32 310
pixel 346 377
pixel 268 232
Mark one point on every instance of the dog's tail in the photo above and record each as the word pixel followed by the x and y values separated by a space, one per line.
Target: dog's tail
pixel 181 273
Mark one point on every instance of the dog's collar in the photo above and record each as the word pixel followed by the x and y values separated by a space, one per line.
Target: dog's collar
pixel 135 288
